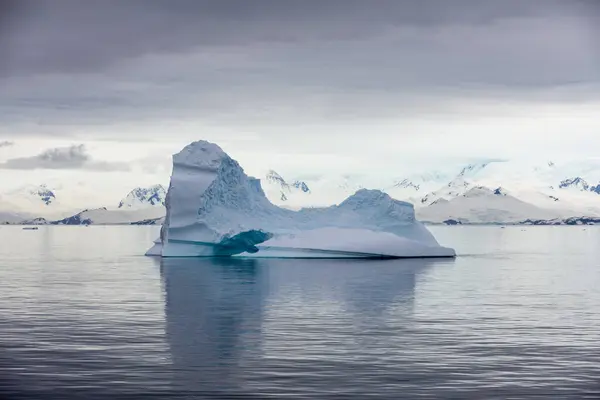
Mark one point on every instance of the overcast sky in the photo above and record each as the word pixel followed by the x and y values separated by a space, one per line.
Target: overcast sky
pixel 296 85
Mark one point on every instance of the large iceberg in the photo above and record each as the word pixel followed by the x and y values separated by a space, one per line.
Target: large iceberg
pixel 215 209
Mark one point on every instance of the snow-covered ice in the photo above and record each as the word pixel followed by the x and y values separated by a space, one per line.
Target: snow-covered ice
pixel 215 209
pixel 153 196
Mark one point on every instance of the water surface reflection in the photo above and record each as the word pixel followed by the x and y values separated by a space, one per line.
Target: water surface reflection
pixel 516 318
pixel 278 326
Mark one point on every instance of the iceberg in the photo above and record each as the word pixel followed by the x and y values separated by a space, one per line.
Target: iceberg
pixel 213 209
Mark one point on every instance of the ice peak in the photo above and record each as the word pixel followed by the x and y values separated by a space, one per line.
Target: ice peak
pixel 364 198
pixel 273 176
pixel 201 154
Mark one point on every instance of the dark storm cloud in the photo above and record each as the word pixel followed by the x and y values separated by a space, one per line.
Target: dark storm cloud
pixel 74 36
pixel 112 60
pixel 72 157
pixel 71 36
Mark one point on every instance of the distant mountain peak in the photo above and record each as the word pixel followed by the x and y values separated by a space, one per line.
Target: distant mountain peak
pixel 479 191
pixel 140 197
pixel 473 169
pixel 301 185
pixel 574 183
pixel 282 188
pixel 46 195
pixel 458 183
pixel 273 176
pixel 457 187
pixel 36 193
pixel 407 184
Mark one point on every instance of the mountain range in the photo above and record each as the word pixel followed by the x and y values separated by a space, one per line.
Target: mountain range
pixel 145 197
pixel 494 191
pixel 41 205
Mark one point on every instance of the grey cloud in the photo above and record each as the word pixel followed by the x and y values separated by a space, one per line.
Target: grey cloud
pixel 155 164
pixel 109 61
pixel 73 157
pixel 6 143
pixel 69 36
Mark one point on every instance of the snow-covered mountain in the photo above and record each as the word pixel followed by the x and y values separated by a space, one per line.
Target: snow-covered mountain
pixel 39 204
pixel 103 216
pixel 152 196
pixel 482 205
pixel 32 201
pixel 489 191
pixel 451 190
pixel 290 194
pixel 35 195
pixel 416 186
pixel 548 189
pixel 44 194
pixel 12 218
pixel 507 190
pixel 577 183
pixel 327 189
pixel 140 206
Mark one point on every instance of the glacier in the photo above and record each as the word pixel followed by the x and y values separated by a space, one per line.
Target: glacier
pixel 214 209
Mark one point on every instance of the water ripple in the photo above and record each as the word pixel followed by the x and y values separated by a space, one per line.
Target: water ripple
pixel 80 320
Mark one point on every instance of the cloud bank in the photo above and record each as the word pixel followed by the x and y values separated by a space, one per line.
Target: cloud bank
pixel 351 80
pixel 73 157
pixel 289 61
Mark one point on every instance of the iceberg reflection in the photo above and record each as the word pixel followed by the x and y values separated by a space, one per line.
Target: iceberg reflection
pixel 229 321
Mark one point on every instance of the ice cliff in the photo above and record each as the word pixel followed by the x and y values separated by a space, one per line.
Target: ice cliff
pixel 215 209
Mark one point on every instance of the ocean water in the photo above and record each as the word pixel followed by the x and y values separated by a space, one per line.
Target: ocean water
pixel 84 315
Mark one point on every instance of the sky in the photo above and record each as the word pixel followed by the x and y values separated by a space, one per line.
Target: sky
pixel 106 90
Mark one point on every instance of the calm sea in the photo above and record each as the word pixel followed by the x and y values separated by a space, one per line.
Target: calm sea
pixel 84 315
